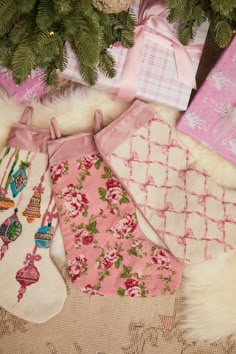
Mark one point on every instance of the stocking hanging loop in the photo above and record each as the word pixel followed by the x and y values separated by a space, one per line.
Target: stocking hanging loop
pixel 54 129
pixel 26 117
pixel 98 121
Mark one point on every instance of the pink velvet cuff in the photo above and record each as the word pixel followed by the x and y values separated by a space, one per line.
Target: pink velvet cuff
pixel 108 139
pixel 26 137
pixel 73 146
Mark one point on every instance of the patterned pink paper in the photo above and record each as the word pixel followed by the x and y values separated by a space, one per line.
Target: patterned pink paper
pixel 211 117
pixel 32 88
pixel 158 80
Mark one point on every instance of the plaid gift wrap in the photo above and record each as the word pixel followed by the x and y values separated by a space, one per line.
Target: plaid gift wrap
pixel 211 116
pixel 158 68
pixel 31 88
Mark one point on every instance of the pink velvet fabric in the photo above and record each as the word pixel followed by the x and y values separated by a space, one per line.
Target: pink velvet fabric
pixel 106 251
pixel 25 137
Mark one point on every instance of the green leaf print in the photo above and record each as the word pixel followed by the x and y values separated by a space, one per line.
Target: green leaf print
pixel 121 292
pixel 118 262
pixel 143 293
pixel 98 163
pixel 143 290
pixel 6 152
pixel 124 199
pixel 67 219
pixel 165 279
pixel 133 251
pixel 166 289
pixel 85 212
pixel 126 269
pixel 126 273
pixel 107 173
pixel 103 275
pixel 84 175
pixel 92 228
pixel 102 192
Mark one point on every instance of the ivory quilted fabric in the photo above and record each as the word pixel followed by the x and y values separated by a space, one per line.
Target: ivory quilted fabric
pixel 193 215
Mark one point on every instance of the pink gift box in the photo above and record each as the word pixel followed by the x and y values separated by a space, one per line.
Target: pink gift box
pixel 211 116
pixel 32 88
pixel 158 68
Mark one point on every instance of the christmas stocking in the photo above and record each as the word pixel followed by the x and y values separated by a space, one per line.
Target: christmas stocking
pixel 31 286
pixel 193 216
pixel 107 253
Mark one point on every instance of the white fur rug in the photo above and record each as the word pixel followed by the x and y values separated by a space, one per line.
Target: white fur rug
pixel 209 289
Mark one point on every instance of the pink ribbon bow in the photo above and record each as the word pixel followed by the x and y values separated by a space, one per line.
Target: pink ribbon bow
pixel 149 18
pixel 32 257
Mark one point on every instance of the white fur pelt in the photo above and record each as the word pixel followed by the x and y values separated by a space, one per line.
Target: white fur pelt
pixel 209 289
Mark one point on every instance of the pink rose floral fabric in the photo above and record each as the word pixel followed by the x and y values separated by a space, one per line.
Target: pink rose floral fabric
pixel 106 251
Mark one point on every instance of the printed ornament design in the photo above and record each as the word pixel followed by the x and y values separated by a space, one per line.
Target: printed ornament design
pixel 32 211
pixel 5 202
pixel 44 236
pixel 19 179
pixel 10 230
pixel 29 274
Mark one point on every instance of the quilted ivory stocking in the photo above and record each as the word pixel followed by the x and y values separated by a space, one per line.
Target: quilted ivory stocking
pixel 106 251
pixel 31 286
pixel 193 216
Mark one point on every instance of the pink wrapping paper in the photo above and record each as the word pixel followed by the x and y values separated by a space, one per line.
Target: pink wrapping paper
pixel 152 62
pixel 211 116
pixel 32 88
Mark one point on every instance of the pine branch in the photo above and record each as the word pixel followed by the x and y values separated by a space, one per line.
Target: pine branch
pixel 223 33
pixel 192 14
pixel 186 33
pixel 4 6
pixel 25 6
pixel 8 16
pixel 22 62
pixel 45 15
pixel 63 7
pixel 89 74
pixel 107 64
pixel 33 34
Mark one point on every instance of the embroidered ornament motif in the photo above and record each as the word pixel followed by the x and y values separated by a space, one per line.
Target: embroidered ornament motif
pixel 5 202
pixel 32 211
pixel 19 179
pixel 43 236
pixel 27 275
pixel 10 230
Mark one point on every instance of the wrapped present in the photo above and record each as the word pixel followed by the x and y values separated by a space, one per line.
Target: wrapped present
pixel 32 88
pixel 158 68
pixel 211 116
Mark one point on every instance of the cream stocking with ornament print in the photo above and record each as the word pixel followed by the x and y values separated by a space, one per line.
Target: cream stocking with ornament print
pixel 191 213
pixel 106 251
pixel 31 286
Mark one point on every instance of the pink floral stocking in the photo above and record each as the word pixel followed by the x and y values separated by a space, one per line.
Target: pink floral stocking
pixel 106 251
